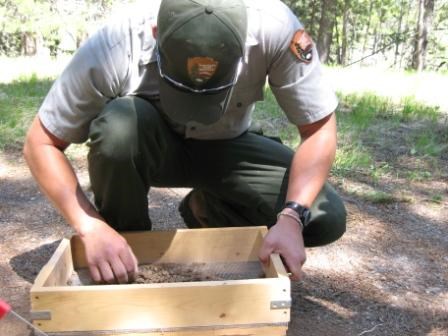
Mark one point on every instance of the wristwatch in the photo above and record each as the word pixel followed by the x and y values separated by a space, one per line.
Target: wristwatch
pixel 303 212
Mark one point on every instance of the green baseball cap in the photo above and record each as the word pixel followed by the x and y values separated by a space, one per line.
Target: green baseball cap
pixel 200 46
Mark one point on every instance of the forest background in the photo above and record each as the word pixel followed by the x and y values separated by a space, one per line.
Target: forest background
pixel 400 34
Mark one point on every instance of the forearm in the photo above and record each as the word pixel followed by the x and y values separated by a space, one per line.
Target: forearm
pixel 108 255
pixel 56 178
pixel 312 163
pixel 309 170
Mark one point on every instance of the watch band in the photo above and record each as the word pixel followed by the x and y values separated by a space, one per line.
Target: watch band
pixel 292 214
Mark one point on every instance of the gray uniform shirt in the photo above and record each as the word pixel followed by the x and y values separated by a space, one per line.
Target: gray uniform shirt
pixel 119 60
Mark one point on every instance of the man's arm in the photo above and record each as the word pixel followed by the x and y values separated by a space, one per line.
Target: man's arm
pixel 309 171
pixel 108 255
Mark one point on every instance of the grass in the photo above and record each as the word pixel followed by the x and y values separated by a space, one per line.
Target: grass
pixel 366 106
pixel 437 198
pixel 19 102
pixel 417 175
pixel 380 139
pixel 378 197
pixel 369 124
pixel 430 143
pixel 351 158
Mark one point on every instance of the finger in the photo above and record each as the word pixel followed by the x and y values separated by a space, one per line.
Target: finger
pixel 134 260
pixel 95 273
pixel 106 273
pixel 264 253
pixel 119 270
pixel 134 272
pixel 292 265
pixel 298 274
pixel 130 263
pixel 285 264
pixel 299 277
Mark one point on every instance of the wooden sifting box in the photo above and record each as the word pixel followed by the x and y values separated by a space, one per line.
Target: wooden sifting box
pixel 256 306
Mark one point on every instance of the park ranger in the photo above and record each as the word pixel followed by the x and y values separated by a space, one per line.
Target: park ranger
pixel 164 98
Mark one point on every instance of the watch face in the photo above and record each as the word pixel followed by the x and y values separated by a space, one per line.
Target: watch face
pixel 306 217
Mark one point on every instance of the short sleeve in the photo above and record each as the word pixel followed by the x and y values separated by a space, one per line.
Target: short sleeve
pixel 298 84
pixel 91 79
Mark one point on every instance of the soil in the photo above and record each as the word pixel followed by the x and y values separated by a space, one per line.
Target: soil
pixel 388 275
pixel 172 272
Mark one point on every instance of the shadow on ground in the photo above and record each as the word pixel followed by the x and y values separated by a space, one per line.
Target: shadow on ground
pixel 328 303
pixel 27 265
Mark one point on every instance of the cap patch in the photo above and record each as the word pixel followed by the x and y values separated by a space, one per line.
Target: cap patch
pixel 201 69
pixel 302 46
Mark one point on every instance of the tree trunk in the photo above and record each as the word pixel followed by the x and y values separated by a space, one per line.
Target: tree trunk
pixel 312 26
pixel 326 25
pixel 398 38
pixel 29 44
pixel 417 62
pixel 345 18
pixel 366 34
pixel 428 22
pixel 338 43
pixel 424 24
pixel 378 32
pixel 405 46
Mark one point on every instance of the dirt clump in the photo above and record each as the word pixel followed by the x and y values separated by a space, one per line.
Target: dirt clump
pixel 163 273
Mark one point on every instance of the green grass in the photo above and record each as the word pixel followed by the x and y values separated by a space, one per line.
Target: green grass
pixel 411 109
pixel 378 197
pixel 364 123
pixel 273 121
pixel 429 142
pixel 370 125
pixel 437 198
pixel 378 139
pixel 417 175
pixel 19 102
pixel 351 158
pixel 366 107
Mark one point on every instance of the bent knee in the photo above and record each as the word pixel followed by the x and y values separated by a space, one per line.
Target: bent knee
pixel 327 227
pixel 113 134
pixel 338 228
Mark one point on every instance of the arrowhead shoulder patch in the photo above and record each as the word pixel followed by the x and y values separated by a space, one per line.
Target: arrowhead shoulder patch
pixel 302 46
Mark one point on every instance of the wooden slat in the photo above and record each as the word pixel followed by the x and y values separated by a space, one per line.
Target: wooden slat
pixel 255 330
pixel 162 306
pixel 276 268
pixel 188 246
pixel 58 269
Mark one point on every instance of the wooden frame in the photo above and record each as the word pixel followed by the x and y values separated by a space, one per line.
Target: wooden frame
pixel 232 307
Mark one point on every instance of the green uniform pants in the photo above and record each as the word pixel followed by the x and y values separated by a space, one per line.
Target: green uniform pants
pixel 243 180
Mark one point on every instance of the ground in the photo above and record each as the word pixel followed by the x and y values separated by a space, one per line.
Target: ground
pixel 388 275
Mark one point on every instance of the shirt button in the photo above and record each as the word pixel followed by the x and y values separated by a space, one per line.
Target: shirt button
pixel 239 104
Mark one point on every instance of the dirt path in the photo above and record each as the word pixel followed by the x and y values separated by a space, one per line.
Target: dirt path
pixel 387 276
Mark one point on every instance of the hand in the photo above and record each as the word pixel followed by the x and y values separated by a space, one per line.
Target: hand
pixel 285 238
pixel 108 254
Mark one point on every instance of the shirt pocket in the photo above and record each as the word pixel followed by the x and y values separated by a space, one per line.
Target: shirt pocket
pixel 244 98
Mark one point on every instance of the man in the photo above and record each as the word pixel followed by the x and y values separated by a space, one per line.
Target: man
pixel 164 99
